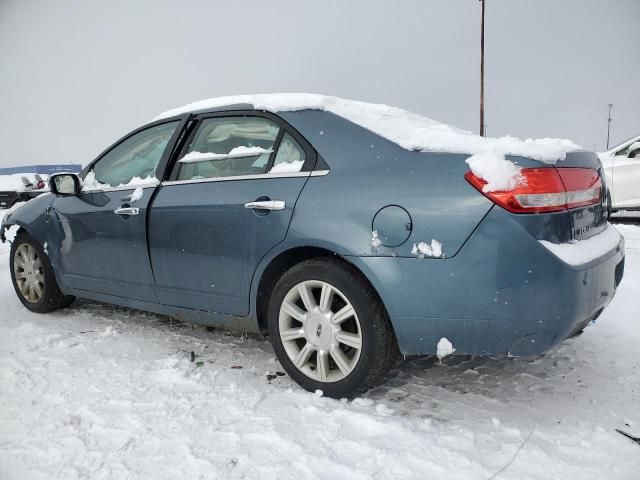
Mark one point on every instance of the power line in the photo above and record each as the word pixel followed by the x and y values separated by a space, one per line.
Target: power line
pixel 482 126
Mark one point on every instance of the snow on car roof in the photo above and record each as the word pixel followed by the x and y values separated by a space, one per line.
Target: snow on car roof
pixel 410 131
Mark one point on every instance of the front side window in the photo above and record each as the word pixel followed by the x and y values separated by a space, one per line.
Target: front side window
pixel 227 147
pixel 133 161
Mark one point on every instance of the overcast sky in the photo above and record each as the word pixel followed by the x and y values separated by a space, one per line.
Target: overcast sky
pixel 76 75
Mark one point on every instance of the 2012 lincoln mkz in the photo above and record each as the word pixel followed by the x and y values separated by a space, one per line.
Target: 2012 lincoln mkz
pixel 347 232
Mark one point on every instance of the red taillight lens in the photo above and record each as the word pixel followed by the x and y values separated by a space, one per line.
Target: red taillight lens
pixel 546 190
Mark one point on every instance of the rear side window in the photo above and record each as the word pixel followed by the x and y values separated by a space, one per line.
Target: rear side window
pixel 290 156
pixel 239 146
pixel 227 147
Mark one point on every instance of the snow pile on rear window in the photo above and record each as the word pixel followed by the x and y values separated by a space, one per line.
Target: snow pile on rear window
pixel 287 167
pixel 411 131
pixel 237 152
pixel 582 252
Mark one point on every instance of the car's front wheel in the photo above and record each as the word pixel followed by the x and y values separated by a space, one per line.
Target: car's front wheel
pixel 33 277
pixel 329 329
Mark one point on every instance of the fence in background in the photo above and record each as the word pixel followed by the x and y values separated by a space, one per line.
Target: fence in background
pixel 42 169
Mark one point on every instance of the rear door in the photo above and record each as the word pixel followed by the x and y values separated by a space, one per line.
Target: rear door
pixel 101 242
pixel 228 201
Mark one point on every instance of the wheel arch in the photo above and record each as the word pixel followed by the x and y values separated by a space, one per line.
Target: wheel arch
pixel 282 262
pixel 22 227
pixel 32 217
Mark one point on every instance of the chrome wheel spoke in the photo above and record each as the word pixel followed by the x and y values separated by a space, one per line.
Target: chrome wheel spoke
pixel 350 339
pixel 21 275
pixel 293 311
pixel 323 365
pixel 291 334
pixel 303 355
pixel 326 298
pixel 343 314
pixel 18 260
pixel 341 360
pixel 37 288
pixel 306 297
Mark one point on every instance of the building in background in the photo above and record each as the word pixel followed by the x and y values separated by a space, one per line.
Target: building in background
pixel 41 169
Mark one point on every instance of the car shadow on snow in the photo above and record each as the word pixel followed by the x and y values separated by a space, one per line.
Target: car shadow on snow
pixel 480 386
pixel 418 386
pixel 133 319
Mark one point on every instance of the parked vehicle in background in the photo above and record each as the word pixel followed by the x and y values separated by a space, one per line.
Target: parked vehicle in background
pixel 622 169
pixel 20 188
pixel 40 184
pixel 345 231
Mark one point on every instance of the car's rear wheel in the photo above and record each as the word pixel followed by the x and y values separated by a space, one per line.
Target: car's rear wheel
pixel 329 329
pixel 33 277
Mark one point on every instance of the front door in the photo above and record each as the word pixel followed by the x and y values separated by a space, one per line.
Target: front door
pixel 101 238
pixel 229 201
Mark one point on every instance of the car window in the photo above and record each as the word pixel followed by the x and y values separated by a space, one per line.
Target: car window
pixel 290 156
pixel 623 151
pixel 136 158
pixel 229 146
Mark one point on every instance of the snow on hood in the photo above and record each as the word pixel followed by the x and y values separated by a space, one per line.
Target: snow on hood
pixel 410 131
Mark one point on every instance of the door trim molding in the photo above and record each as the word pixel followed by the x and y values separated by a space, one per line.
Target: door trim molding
pixel 315 173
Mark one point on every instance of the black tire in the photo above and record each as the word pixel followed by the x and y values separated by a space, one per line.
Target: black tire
pixel 52 298
pixel 610 209
pixel 379 346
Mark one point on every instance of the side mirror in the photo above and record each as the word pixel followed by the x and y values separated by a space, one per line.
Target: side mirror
pixel 634 150
pixel 65 184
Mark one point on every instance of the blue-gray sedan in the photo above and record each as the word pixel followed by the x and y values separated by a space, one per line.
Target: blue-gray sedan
pixel 344 245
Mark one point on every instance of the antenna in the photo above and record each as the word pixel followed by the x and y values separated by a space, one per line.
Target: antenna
pixel 610 105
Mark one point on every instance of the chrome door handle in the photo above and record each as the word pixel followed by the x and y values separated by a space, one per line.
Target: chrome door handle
pixel 127 211
pixel 266 205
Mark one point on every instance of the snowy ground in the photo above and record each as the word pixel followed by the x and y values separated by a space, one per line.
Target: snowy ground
pixel 101 392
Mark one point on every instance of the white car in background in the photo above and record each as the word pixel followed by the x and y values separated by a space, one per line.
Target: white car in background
pixel 20 188
pixel 622 170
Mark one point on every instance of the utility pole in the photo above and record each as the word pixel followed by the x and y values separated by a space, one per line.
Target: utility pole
pixel 609 124
pixel 482 133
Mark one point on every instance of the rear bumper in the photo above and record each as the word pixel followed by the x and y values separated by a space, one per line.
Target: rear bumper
pixel 503 293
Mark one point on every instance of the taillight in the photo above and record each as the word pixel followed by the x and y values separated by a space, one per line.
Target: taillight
pixel 546 190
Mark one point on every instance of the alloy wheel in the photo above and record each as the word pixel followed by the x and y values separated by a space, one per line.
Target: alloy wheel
pixel 29 273
pixel 320 331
